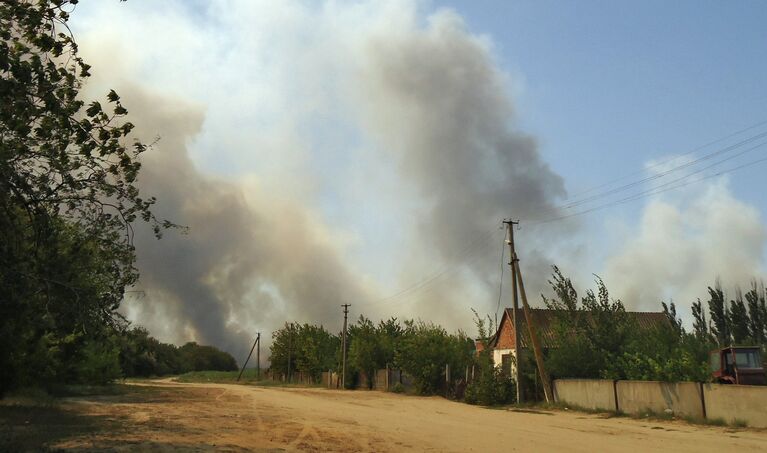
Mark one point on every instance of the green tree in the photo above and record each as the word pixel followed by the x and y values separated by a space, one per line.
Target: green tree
pixel 365 354
pixel 316 351
pixel 389 333
pixel 757 311
pixel 490 386
pixel 590 336
pixel 575 356
pixel 719 314
pixel 670 311
pixel 67 195
pixel 303 347
pixel 665 353
pixel 700 325
pixel 203 358
pixel 739 320
pixel 424 349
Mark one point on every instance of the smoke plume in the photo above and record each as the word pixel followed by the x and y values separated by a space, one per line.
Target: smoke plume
pixel 683 244
pixel 434 101
pixel 252 258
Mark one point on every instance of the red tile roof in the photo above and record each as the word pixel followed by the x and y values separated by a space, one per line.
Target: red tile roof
pixel 545 319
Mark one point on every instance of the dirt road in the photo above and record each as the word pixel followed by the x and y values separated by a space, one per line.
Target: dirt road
pixel 202 417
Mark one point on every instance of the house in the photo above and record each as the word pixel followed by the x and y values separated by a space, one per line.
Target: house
pixel 502 343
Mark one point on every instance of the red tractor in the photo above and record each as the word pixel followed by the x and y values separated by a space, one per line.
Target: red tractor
pixel 738 365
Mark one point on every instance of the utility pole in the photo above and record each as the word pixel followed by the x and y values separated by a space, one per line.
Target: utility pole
pixel 515 319
pixel 343 346
pixel 533 335
pixel 290 347
pixel 258 357
pixel 258 339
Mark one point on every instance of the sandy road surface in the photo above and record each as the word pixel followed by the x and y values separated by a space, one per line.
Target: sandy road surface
pixel 204 417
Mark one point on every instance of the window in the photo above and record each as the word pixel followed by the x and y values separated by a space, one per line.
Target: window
pixel 506 364
pixel 716 361
pixel 747 359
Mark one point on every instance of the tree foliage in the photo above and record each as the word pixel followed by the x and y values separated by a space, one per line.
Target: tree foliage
pixel 757 310
pixel 491 385
pixel 425 348
pixel 143 355
pixel 738 319
pixel 418 348
pixel 589 335
pixel 68 199
pixel 304 347
pixel 719 315
pixel 599 339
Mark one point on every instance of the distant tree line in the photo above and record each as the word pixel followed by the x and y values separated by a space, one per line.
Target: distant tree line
pixel 418 348
pixel 141 355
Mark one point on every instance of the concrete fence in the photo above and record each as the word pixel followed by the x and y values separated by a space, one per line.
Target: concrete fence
pixel 596 394
pixel 713 401
pixel 737 402
pixel 383 380
pixel 681 398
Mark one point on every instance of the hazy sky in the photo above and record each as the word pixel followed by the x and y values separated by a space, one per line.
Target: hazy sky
pixel 330 152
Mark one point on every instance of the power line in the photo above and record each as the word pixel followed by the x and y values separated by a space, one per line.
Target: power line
pixel 657 175
pixel 427 288
pixel 651 192
pixel 468 250
pixel 671 159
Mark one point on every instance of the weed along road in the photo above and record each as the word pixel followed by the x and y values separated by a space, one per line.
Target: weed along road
pixel 168 416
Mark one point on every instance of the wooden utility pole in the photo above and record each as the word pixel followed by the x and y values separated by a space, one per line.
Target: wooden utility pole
pixel 290 348
pixel 533 335
pixel 515 318
pixel 258 339
pixel 343 346
pixel 258 356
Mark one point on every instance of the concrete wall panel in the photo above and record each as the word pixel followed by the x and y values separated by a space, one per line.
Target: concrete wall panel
pixel 741 402
pixel 682 398
pixel 595 394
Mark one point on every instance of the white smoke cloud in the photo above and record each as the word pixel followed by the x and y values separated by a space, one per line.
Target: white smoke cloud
pixel 683 243
pixel 331 152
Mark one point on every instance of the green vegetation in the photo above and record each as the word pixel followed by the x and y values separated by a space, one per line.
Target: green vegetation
pixel 249 377
pixel 647 414
pixel 490 386
pixel 418 348
pixel 69 205
pixel 304 347
pixel 739 423
pixel 141 355
pixel 597 339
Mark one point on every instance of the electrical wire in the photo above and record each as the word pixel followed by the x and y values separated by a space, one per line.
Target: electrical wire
pixel 651 192
pixel 470 249
pixel 671 159
pixel 657 175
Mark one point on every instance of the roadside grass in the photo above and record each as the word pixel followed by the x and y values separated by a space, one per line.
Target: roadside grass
pixel 249 377
pixel 646 414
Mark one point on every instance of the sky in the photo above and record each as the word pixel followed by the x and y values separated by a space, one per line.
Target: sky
pixel 366 152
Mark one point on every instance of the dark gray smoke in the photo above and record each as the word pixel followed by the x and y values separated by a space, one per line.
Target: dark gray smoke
pixel 436 101
pixel 251 259
pixel 429 99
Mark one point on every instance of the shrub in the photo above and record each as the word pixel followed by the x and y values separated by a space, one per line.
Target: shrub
pixel 491 388
pixel 100 363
